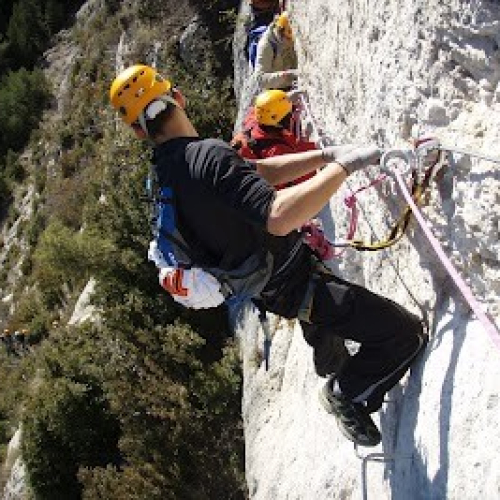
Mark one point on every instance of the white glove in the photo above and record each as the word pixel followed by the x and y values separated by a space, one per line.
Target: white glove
pixel 359 158
pixel 290 75
pixel 193 288
pixel 294 96
pixel 332 153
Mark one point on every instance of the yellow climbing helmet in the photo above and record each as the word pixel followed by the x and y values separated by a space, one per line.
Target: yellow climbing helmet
pixel 271 106
pixel 282 22
pixel 134 88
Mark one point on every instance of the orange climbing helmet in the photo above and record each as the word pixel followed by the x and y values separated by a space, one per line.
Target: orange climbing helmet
pixel 271 106
pixel 134 88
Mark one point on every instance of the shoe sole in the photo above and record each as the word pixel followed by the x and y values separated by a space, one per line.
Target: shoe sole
pixel 327 406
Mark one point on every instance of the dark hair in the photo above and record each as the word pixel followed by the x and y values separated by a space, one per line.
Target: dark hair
pixel 286 120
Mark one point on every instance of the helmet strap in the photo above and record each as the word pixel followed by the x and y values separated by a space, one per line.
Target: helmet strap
pixel 153 109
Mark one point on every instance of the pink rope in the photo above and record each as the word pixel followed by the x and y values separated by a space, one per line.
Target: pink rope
pixel 488 324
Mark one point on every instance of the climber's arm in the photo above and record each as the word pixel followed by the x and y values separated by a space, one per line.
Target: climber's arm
pixel 287 167
pixel 295 205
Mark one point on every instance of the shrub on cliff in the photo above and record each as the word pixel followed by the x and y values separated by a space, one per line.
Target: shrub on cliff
pixel 67 425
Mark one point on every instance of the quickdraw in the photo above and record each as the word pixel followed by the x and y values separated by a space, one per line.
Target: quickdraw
pixel 398 229
pixel 420 156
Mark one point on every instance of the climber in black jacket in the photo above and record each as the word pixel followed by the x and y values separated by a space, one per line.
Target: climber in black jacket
pixel 228 209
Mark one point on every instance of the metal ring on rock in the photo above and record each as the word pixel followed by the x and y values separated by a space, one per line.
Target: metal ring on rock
pixel 407 156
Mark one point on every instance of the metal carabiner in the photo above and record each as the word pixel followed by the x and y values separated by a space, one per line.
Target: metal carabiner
pixel 408 156
pixel 431 157
pixel 425 146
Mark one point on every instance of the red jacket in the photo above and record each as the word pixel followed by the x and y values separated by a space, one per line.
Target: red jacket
pixel 285 142
pixel 257 142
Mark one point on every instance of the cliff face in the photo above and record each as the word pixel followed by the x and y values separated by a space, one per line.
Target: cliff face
pixel 378 72
pixel 382 72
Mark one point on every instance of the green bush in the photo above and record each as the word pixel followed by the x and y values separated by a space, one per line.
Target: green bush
pixel 26 32
pixel 29 25
pixel 64 257
pixel 23 96
pixel 180 414
pixel 125 483
pixel 38 325
pixel 13 168
pixel 28 308
pixel 67 425
pixel 66 201
pixel 14 390
pixel 35 228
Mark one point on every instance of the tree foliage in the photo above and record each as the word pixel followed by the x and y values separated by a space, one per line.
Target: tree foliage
pixel 27 33
pixel 27 27
pixel 146 403
pixel 65 258
pixel 23 95
pixel 67 422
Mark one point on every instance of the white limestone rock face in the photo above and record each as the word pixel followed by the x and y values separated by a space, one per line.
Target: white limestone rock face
pixel 380 72
pixel 84 309
pixel 193 43
pixel 15 470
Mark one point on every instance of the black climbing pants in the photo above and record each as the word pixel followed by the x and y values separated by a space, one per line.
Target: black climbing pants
pixel 389 336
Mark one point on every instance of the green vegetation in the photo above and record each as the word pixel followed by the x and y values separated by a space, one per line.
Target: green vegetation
pixel 23 95
pixel 144 403
pixel 26 28
pixel 73 427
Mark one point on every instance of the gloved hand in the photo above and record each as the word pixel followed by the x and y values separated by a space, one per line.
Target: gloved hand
pixel 333 153
pixel 291 75
pixel 359 158
pixel 294 96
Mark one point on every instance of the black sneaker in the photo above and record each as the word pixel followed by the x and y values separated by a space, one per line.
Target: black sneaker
pixel 352 418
